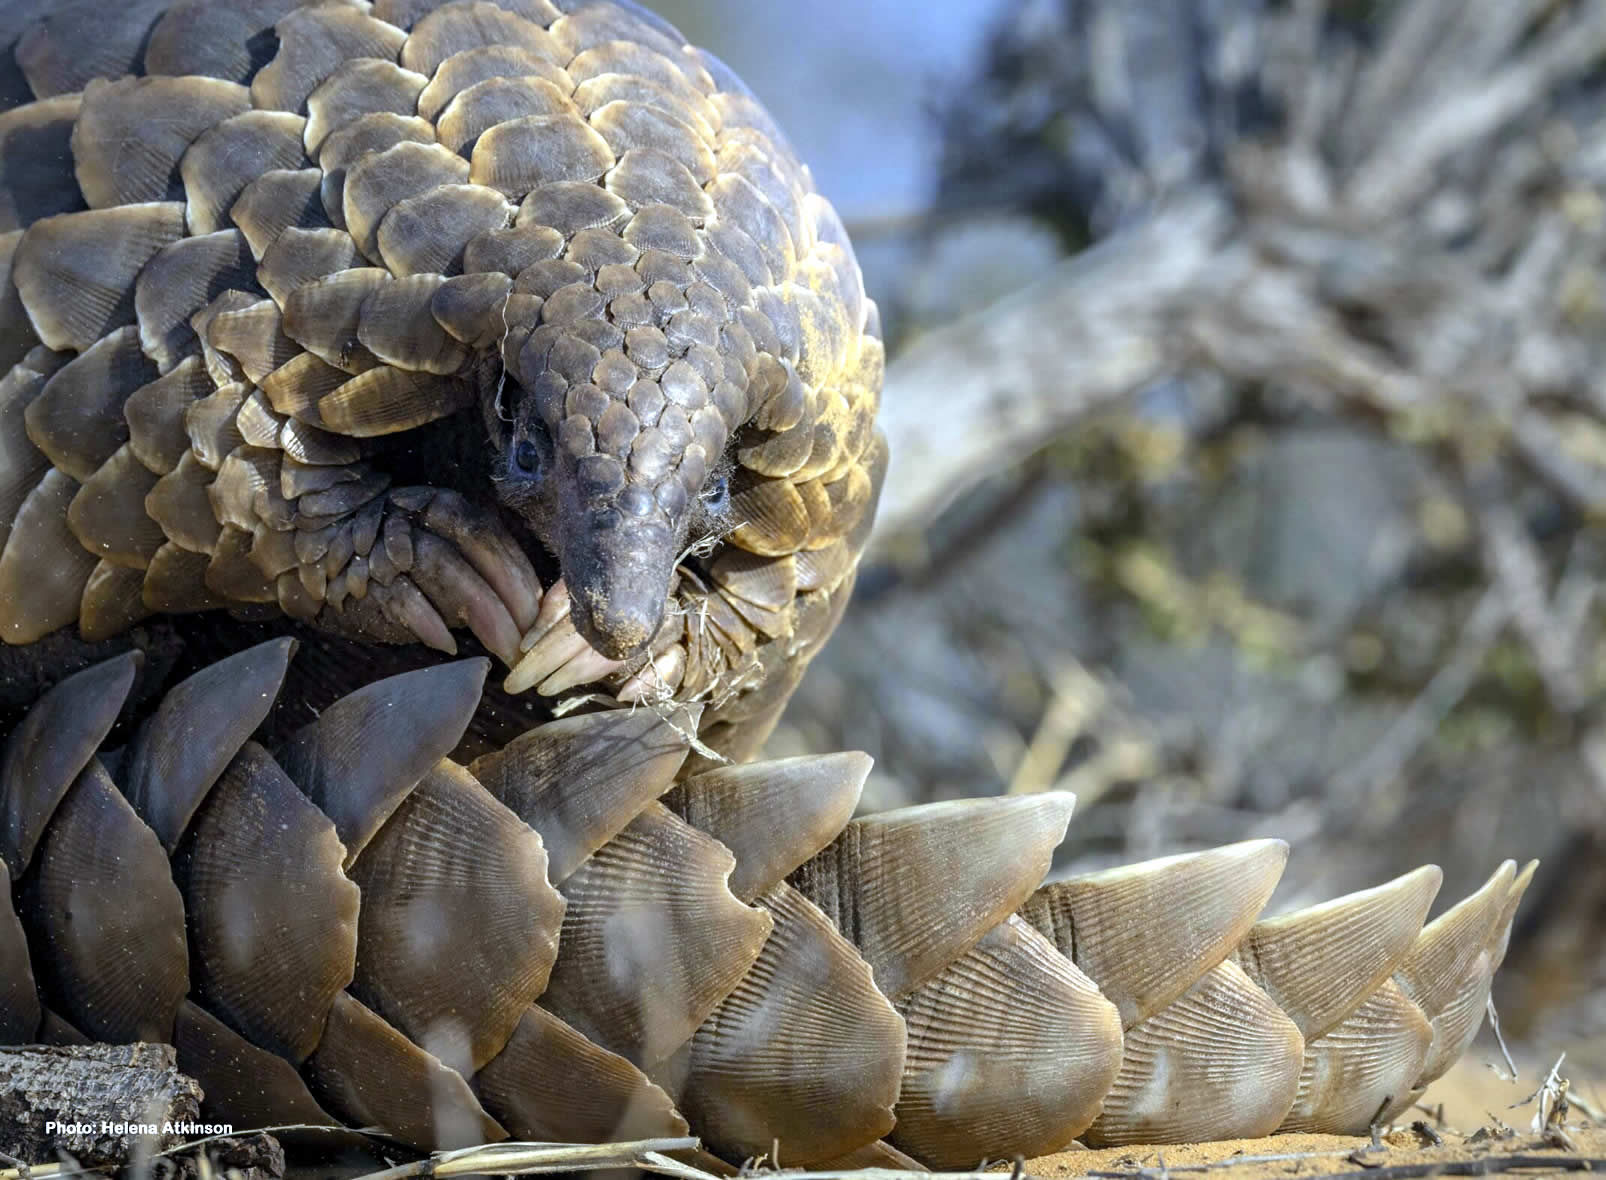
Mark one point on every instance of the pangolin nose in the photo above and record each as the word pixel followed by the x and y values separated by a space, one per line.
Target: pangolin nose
pixel 618 578
pixel 617 627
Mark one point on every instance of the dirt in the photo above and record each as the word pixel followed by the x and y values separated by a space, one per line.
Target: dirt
pixel 1328 1156
pixel 1469 1098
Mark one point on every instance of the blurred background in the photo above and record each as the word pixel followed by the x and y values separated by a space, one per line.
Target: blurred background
pixel 1246 398
pixel 860 86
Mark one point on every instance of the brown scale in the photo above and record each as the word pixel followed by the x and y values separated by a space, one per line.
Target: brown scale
pixel 580 936
pixel 559 235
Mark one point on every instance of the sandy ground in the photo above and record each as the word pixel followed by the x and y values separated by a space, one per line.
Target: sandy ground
pixel 1322 1157
pixel 1471 1095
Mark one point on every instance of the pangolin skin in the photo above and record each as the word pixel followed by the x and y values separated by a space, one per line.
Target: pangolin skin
pixel 382 317
pixel 523 320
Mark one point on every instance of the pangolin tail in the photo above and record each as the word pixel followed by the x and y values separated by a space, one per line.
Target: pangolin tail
pixel 574 939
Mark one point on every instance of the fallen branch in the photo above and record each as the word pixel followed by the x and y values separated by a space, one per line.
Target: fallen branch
pixel 967 399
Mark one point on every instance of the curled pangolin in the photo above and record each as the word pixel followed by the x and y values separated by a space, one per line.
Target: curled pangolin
pixel 570 939
pixel 382 317
pixel 522 318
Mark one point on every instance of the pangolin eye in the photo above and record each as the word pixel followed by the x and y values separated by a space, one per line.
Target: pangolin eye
pixel 717 494
pixel 526 459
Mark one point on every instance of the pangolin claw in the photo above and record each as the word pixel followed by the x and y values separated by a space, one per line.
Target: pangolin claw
pixel 462 596
pixel 556 657
pixel 429 562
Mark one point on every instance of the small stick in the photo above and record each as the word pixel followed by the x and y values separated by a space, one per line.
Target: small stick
pixel 1374 1127
pixel 1425 1131
pixel 1494 1025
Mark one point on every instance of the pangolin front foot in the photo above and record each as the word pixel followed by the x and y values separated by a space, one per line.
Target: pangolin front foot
pixel 415 563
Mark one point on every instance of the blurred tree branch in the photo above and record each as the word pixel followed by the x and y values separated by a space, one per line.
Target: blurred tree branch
pixel 987 391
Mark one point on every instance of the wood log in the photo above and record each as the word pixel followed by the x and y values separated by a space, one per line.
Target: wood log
pixel 101 1104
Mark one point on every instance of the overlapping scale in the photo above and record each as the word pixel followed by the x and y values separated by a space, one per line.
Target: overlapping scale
pixel 1220 1061
pixel 272 918
pixel 52 745
pixel 915 889
pixel 456 988
pixel 241 1081
pixel 1449 970
pixel 362 755
pixel 1011 1050
pixel 108 515
pixel 1109 922
pixel 76 271
pixel 226 159
pixel 155 414
pixel 803 1050
pixel 275 203
pixel 772 815
pixel 551 1084
pixel 580 780
pixel 185 745
pixel 1364 1065
pixel 372 1076
pixel 106 922
pixel 1318 964
pixel 131 134
pixel 652 939
pixel 77 418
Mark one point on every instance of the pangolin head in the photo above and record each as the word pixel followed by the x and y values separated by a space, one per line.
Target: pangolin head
pixel 617 459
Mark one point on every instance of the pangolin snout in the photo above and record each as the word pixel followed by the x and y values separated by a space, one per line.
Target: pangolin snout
pixel 618 576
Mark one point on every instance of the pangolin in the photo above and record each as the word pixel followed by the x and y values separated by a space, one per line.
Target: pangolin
pixel 571 938
pixel 522 319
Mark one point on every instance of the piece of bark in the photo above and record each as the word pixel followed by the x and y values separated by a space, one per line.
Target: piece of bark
pixel 93 1102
